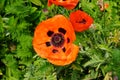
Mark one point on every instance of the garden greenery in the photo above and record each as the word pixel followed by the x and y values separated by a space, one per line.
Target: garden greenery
pixel 99 55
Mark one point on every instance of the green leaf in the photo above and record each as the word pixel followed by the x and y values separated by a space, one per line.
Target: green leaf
pixel 95 61
pixel 36 2
pixel 40 70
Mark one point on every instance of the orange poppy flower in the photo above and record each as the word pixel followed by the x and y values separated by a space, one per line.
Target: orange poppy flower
pixel 80 20
pixel 68 4
pixel 53 40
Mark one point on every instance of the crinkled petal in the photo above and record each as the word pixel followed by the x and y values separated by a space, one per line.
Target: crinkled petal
pixel 72 52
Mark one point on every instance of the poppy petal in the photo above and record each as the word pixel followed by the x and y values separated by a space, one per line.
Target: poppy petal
pixel 68 4
pixel 80 20
pixel 53 24
pixel 73 52
pixel 42 50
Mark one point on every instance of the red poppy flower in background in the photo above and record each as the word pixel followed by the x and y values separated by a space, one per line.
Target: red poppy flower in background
pixel 68 4
pixel 53 40
pixel 80 20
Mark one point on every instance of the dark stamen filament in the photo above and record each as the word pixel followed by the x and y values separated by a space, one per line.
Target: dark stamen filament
pixel 49 33
pixel 54 50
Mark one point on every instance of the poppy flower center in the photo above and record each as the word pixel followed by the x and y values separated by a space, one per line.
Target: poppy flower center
pixel 57 40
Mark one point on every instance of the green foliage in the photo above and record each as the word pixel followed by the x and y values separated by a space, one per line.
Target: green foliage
pixel 40 70
pixel 116 61
pixel 99 53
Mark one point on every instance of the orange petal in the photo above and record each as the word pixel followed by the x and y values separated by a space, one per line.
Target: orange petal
pixel 73 52
pixel 69 4
pixel 42 50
